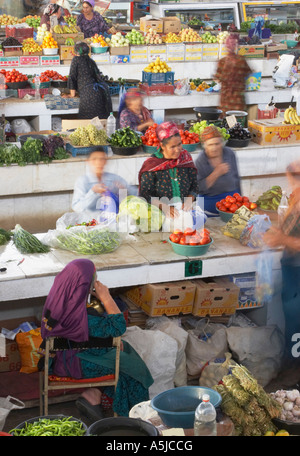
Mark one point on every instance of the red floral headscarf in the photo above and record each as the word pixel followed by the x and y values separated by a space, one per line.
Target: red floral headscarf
pixel 166 130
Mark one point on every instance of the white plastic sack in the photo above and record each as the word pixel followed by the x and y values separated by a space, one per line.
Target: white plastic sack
pixel 182 87
pixel 173 329
pixel 159 353
pixel 259 349
pixel 199 352
pixel 6 405
pixel 20 126
pixel 213 373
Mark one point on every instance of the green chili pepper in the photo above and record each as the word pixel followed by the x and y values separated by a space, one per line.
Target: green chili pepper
pixel 66 426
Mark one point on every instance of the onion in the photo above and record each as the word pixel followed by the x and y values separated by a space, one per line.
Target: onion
pixel 296 411
pixel 288 406
pixel 292 395
pixel 280 393
pixel 289 416
pixel 280 400
pixel 297 401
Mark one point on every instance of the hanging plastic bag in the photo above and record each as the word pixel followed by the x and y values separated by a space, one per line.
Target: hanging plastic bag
pixel 6 405
pixel 264 277
pixel 252 235
pixel 215 370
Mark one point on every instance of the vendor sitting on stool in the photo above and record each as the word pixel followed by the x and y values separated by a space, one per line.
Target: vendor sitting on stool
pixel 133 113
pixel 217 169
pixel 95 183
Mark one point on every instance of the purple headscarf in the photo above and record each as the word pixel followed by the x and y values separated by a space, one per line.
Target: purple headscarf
pixel 65 313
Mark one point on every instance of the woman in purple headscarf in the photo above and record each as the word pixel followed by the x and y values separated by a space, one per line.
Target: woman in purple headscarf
pixel 68 314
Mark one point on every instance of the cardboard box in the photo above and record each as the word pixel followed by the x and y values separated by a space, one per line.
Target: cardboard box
pixel 247 286
pixel 155 24
pixel 119 50
pixel 210 52
pixel 29 60
pixel 9 62
pixel 66 52
pixel 193 52
pixel 60 38
pixel 50 60
pixel 252 52
pixel 273 131
pixel 157 51
pixel 216 296
pixel 139 54
pixel 101 58
pixel 12 360
pixel 175 52
pixel 164 298
pixel 222 50
pixel 276 47
pixel 13 53
pixel 171 24
pixel 119 58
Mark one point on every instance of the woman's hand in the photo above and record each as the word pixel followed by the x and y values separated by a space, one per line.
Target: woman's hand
pixel 274 237
pixel 171 212
pixel 222 168
pixel 103 294
pixel 99 188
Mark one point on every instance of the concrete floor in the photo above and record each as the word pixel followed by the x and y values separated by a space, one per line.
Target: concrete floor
pixel 285 380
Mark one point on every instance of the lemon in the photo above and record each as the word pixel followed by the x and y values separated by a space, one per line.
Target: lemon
pixel 269 433
pixel 282 433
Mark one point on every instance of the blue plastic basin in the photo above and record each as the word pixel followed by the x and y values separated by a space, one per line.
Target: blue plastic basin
pixel 176 407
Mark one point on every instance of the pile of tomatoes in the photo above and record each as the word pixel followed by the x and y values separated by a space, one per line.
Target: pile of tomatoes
pixel 150 138
pixel 191 237
pixel 51 74
pixel 233 203
pixel 188 137
pixel 14 76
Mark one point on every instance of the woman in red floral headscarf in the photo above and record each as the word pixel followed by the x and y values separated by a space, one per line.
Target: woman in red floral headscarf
pixel 231 72
pixel 169 173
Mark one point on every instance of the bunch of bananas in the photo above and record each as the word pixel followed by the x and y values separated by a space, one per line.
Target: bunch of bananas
pixel 65 29
pixel 291 116
pixel 69 42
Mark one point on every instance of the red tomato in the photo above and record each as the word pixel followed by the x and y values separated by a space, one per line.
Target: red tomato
pixel 182 240
pixel 189 232
pixel 178 232
pixel 245 198
pixel 195 240
pixel 230 199
pixel 227 204
pixel 222 208
pixel 205 240
pixel 247 204
pixel 174 238
pixel 218 204
pixel 233 208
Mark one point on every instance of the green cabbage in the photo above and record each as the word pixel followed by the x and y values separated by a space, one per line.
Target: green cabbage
pixel 146 216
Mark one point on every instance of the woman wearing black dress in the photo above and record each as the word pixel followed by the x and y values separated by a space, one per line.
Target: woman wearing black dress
pixel 86 79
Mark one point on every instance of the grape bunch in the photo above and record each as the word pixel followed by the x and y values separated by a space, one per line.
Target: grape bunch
pixel 87 136
pixel 238 132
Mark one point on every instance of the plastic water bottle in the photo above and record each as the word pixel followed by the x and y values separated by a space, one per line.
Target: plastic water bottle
pixel 37 87
pixel 205 423
pixel 111 125
pixel 282 208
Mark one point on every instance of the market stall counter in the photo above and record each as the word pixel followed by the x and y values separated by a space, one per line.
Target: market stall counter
pixel 148 258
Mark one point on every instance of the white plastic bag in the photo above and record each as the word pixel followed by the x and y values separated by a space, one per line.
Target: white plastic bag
pixel 182 87
pixel 173 329
pixel 6 405
pixel 20 126
pixel 215 370
pixel 259 349
pixel 159 353
pixel 195 218
pixel 86 240
pixel 205 342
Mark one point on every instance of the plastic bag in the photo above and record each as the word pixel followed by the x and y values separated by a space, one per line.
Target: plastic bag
pixel 182 87
pixel 6 405
pixel 159 352
pixel 205 342
pixel 252 235
pixel 264 277
pixel 28 345
pixel 259 349
pixel 135 214
pixel 215 370
pixel 20 126
pixel 173 329
pixel 86 240
pixel 195 218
